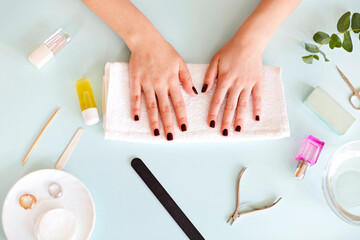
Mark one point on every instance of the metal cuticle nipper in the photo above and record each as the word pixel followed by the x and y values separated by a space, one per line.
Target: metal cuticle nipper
pixel 237 214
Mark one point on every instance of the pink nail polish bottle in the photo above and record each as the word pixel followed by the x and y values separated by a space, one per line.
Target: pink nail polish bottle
pixel 308 155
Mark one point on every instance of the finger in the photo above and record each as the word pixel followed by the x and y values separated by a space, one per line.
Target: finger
pixel 256 92
pixel 166 114
pixel 152 110
pixel 229 112
pixel 179 107
pixel 215 104
pixel 241 109
pixel 135 93
pixel 210 75
pixel 185 79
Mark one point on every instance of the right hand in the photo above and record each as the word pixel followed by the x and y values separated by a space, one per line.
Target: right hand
pixel 157 70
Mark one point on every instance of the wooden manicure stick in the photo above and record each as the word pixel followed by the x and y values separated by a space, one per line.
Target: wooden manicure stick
pixel 69 149
pixel 41 133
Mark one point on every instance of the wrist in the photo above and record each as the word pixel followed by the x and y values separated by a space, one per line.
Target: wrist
pixel 250 39
pixel 143 38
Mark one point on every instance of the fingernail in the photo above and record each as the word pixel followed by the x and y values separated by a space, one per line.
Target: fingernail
pixel 225 132
pixel 183 127
pixel 238 128
pixel 257 118
pixel 169 136
pixel 136 118
pixel 156 132
pixel 204 88
pixel 212 123
pixel 194 89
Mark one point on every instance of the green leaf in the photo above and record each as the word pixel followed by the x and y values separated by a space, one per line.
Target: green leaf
pixel 323 54
pixel 316 57
pixel 355 22
pixel 321 37
pixel 344 22
pixel 308 59
pixel 311 48
pixel 331 44
pixel 335 41
pixel 347 43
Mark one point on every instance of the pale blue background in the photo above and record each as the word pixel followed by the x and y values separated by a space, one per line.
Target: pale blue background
pixel 200 177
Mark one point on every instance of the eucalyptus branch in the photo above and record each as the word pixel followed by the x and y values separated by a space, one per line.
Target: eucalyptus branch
pixel 334 40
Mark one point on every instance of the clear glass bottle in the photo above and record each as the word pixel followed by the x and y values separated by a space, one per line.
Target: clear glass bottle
pixel 47 50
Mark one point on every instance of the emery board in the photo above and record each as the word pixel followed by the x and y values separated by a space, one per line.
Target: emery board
pixel 329 111
pixel 165 199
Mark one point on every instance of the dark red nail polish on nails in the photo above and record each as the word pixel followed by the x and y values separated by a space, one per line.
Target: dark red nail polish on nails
pixel 194 89
pixel 257 118
pixel 238 128
pixel 136 118
pixel 204 88
pixel 156 132
pixel 225 132
pixel 169 136
pixel 212 123
pixel 183 127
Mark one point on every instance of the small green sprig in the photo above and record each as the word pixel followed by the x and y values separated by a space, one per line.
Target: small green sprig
pixel 334 41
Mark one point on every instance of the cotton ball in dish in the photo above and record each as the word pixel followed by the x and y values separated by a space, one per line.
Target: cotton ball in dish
pixel 56 224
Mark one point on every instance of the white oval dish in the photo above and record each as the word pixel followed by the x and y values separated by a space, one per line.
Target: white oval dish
pixel 18 223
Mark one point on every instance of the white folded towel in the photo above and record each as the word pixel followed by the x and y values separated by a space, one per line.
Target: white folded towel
pixel 119 124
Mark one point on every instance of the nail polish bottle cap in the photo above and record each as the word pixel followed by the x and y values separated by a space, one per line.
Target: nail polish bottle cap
pixel 41 56
pixel 301 169
pixel 90 116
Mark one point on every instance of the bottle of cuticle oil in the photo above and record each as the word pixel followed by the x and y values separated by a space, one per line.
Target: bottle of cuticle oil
pixel 87 101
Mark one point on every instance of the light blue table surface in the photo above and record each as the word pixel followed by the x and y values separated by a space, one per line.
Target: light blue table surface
pixel 200 177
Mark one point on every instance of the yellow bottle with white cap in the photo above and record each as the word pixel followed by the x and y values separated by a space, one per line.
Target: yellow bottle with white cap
pixel 87 101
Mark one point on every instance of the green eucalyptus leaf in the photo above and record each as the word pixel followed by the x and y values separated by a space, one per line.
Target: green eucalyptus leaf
pixel 331 44
pixel 311 48
pixel 323 54
pixel 355 22
pixel 347 43
pixel 344 22
pixel 316 57
pixel 308 59
pixel 321 37
pixel 336 40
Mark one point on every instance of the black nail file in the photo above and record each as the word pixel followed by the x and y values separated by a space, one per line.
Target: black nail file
pixel 165 199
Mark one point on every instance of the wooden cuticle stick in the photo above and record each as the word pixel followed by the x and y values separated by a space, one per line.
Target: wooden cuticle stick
pixel 41 133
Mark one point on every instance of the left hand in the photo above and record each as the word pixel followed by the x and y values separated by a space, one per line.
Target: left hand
pixel 239 70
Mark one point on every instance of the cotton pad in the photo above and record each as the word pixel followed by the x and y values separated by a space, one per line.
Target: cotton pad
pixel 329 111
pixel 56 224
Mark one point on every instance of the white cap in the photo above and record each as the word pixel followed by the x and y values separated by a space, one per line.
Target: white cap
pixel 41 56
pixel 90 116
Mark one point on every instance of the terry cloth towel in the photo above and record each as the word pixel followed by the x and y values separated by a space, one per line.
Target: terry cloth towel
pixel 119 124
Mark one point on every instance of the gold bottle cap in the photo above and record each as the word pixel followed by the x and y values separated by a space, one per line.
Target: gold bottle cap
pixel 301 169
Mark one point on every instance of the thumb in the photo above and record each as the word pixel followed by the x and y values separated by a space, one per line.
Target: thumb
pixel 210 75
pixel 185 79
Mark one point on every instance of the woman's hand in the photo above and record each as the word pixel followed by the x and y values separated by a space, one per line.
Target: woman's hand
pixel 155 69
pixel 239 71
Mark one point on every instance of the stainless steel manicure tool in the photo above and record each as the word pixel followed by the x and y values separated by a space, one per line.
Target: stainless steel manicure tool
pixel 237 214
pixel 356 93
